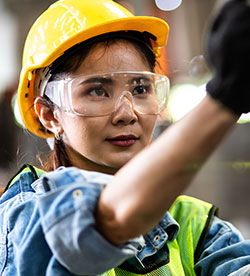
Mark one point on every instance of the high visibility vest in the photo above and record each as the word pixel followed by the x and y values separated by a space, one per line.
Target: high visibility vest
pixel 194 217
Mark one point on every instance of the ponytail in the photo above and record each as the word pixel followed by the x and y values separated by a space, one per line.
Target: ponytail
pixel 57 158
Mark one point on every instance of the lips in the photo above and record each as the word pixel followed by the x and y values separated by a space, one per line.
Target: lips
pixel 123 140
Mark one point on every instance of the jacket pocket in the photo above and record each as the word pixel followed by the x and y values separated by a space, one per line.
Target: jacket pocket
pixel 3 252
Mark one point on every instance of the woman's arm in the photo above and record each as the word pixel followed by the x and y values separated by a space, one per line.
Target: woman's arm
pixel 145 188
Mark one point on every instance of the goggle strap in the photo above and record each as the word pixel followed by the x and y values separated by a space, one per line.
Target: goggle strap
pixel 44 75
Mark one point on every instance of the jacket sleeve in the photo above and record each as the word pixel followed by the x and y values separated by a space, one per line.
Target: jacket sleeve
pixel 225 251
pixel 68 222
pixel 244 271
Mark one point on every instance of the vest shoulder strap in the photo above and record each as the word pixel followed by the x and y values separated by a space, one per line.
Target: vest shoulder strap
pixel 36 172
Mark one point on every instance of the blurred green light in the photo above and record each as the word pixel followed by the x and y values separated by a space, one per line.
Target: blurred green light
pixel 16 112
pixel 184 97
pixel 244 118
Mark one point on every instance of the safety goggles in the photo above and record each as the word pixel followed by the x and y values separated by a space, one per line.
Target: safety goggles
pixel 102 94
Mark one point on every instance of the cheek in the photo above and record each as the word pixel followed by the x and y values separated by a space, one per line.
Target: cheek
pixel 82 130
pixel 148 125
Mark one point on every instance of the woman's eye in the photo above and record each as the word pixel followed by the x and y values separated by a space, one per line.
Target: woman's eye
pixel 98 92
pixel 140 89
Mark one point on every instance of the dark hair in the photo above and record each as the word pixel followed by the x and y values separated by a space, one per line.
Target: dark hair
pixel 70 62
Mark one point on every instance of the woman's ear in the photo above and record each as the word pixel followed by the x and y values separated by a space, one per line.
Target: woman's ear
pixel 47 116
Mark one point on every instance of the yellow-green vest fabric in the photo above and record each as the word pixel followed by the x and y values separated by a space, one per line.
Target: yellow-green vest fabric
pixel 37 173
pixel 194 217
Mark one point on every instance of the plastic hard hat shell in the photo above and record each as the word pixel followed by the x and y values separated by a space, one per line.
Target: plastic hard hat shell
pixel 65 24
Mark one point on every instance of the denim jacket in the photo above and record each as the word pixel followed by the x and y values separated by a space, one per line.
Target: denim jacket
pixel 48 228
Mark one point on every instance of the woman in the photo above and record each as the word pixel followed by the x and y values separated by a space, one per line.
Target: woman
pixel 88 80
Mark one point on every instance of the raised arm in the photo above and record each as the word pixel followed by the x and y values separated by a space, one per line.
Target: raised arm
pixel 147 186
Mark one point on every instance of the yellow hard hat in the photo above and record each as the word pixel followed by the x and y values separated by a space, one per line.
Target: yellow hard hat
pixel 65 24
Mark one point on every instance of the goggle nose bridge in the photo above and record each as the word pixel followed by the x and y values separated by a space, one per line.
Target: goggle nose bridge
pixel 128 95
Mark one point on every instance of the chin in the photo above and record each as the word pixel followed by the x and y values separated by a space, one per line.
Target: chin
pixel 119 163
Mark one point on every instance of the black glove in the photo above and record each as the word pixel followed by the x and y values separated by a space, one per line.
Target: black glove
pixel 228 52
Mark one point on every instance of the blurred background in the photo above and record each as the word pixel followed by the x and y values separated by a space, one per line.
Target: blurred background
pixel 224 180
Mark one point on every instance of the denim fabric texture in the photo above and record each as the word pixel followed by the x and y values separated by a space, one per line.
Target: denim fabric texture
pixel 47 227
pixel 244 271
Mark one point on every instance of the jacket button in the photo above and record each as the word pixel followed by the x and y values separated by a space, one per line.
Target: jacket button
pixel 156 238
pixel 77 193
pixel 139 247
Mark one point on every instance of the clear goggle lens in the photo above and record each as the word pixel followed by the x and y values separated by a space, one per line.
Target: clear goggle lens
pixel 102 94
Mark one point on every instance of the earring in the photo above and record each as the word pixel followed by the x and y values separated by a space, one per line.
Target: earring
pixel 57 136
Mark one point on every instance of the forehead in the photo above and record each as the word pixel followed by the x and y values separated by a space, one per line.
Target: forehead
pixel 118 56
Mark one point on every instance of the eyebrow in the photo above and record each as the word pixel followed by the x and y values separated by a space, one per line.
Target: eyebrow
pixel 111 81
pixel 138 79
pixel 99 80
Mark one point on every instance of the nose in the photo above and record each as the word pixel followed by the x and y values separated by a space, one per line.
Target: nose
pixel 124 110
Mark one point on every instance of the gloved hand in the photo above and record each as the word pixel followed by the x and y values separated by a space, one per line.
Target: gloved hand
pixel 228 53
